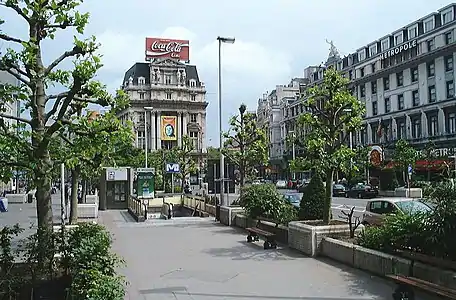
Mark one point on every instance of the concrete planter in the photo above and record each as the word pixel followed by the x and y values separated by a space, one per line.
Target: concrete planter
pixel 386 193
pixel 87 210
pixel 91 199
pixel 305 237
pixel 446 278
pixel 16 198
pixel 409 193
pixel 228 214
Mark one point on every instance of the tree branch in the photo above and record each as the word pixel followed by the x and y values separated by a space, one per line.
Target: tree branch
pixel 75 51
pixel 17 9
pixel 16 72
pixel 19 119
pixel 10 38
pixel 14 164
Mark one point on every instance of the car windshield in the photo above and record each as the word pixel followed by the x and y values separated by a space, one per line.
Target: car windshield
pixel 412 207
pixel 281 182
pixel 338 186
pixel 293 198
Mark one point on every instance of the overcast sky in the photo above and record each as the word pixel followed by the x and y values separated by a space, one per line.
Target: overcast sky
pixel 275 39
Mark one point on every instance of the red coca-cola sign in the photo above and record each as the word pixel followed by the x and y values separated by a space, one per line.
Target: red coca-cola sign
pixel 167 48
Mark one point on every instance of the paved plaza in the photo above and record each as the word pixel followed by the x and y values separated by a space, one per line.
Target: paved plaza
pixel 200 260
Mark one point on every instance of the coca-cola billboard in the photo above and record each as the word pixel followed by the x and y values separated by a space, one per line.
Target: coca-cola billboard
pixel 167 48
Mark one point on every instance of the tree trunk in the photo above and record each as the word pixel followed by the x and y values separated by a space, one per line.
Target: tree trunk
pixel 328 196
pixel 74 196
pixel 84 191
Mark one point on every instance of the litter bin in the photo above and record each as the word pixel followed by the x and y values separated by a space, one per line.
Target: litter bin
pixel 29 198
pixel 3 204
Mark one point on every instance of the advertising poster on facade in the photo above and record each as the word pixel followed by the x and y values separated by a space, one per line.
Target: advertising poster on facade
pixel 146 184
pixel 167 48
pixel 168 128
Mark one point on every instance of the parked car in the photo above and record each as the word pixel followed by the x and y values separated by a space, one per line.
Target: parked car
pixel 300 188
pixel 256 182
pixel 361 191
pixel 376 210
pixel 293 198
pixel 281 184
pixel 339 190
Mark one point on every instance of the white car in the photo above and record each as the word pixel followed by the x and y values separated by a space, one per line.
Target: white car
pixel 281 184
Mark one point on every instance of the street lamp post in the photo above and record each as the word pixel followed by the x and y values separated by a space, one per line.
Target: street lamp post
pixel 222 157
pixel 294 153
pixel 146 108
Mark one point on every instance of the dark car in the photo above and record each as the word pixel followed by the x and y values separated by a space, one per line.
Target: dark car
pixel 293 198
pixel 301 187
pixel 361 191
pixel 339 190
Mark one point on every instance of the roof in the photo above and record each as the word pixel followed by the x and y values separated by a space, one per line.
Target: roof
pixel 142 69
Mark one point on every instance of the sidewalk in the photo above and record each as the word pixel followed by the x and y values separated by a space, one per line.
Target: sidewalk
pixel 204 260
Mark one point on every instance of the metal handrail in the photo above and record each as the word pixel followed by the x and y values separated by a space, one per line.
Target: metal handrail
pixel 137 206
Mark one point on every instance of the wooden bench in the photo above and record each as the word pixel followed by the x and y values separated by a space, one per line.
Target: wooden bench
pixel 255 233
pixel 407 285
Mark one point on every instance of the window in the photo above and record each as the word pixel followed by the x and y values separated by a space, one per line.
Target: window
pixel 386 83
pixel 361 72
pixel 450 89
pixel 169 96
pixel 412 32
pixel 193 118
pixel 415 98
pixel 372 50
pixel 140 118
pixel 432 94
pixel 141 96
pixel 449 63
pixel 374 87
pixel 398 39
pixel 194 139
pixel 416 127
pixel 376 207
pixel 141 140
pixel 400 78
pixel 193 97
pixel 451 123
pixel 431 69
pixel 401 133
pixel 192 83
pixel 433 127
pixel 385 44
pixel 414 74
pixel 141 80
pixel 373 67
pixel 400 102
pixel 447 16
pixel 168 79
pixel 430 45
pixel 449 37
pixel 428 25
pixel 361 55
pixel 374 108
pixel 362 90
pixel 387 105
pixel 350 74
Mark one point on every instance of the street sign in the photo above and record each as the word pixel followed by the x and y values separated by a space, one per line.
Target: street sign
pixel 111 175
pixel 410 169
pixel 146 170
pixel 172 168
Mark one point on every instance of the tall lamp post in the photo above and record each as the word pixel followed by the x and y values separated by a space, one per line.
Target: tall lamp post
pixel 146 109
pixel 222 157
pixel 349 110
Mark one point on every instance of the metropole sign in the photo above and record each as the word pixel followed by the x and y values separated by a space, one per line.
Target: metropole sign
pixel 399 49
pixel 167 48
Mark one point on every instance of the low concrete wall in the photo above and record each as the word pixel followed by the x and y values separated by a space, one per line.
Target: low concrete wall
pixel 413 193
pixel 281 231
pixel 16 198
pixel 307 238
pixel 87 210
pixel 92 199
pixel 435 275
pixel 228 214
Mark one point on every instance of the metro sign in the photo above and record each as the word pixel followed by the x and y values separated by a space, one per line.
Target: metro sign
pixel 172 168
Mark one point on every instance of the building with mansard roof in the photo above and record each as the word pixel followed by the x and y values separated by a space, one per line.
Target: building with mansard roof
pixel 168 101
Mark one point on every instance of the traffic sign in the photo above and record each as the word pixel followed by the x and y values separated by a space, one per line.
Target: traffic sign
pixel 410 169
pixel 172 168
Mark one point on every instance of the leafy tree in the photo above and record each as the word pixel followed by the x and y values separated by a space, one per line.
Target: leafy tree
pixel 185 160
pixel 429 155
pixel 403 156
pixel 213 153
pixel 331 112
pixel 312 202
pixel 43 20
pixel 245 144
pixel 90 144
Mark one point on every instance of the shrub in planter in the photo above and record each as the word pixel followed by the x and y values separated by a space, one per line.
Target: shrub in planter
pixel 311 207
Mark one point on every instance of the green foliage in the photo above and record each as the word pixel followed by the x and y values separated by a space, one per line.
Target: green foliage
pixel 10 281
pixel 22 59
pixel 312 202
pixel 246 145
pixel 404 155
pixel 431 233
pixel 213 153
pixel 185 160
pixel 263 200
pixel 331 112
pixel 388 180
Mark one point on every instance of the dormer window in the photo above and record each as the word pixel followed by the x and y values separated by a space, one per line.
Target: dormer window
pixel 361 55
pixel 141 80
pixel 428 24
pixel 385 44
pixel 192 83
pixel 447 16
pixel 372 50
pixel 413 32
pixel 398 39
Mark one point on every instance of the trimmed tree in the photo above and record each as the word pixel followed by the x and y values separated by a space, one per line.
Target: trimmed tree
pixel 331 113
pixel 245 144
pixel 403 156
pixel 185 160
pixel 312 202
pixel 24 61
